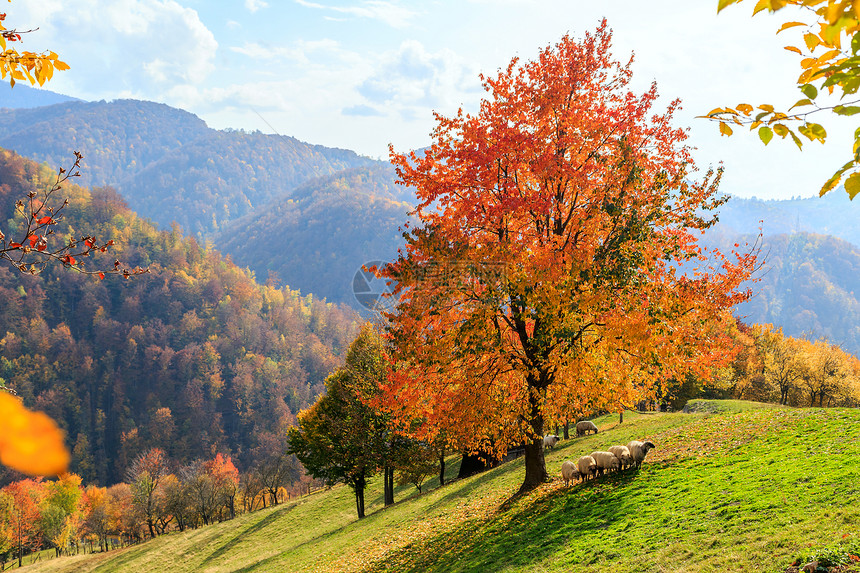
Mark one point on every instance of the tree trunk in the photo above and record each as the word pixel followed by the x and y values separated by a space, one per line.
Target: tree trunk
pixel 442 468
pixel 621 417
pixel 535 462
pixel 535 465
pixel 388 477
pixel 359 486
pixel 151 526
pixel 566 430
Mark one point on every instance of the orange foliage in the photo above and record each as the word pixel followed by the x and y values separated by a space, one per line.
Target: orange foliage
pixel 557 269
pixel 30 442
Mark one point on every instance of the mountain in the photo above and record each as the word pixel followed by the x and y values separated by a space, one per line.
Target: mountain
pixel 24 96
pixel 166 162
pixel 117 139
pixel 808 284
pixel 834 214
pixel 319 237
pixel 195 357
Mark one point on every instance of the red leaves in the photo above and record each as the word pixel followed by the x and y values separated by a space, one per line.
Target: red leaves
pixel 15 245
pixel 46 220
pixel 68 259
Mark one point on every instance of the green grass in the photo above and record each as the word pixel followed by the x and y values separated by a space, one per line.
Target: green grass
pixel 745 489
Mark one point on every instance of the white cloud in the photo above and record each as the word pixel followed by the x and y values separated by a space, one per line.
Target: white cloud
pixel 254 5
pixel 300 51
pixel 138 47
pixel 412 80
pixel 391 13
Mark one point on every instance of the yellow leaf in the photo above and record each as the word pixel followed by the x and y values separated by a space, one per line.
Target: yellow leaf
pixel 723 3
pixel 766 107
pixel 855 6
pixel 788 25
pixel 725 129
pixel 793 49
pixel 812 41
pixel 745 108
pixel 852 185
pixel 30 442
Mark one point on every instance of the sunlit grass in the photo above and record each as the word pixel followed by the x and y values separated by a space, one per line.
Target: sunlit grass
pixel 743 490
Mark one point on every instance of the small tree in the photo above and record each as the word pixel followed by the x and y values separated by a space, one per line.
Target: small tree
pixel 144 476
pixel 340 438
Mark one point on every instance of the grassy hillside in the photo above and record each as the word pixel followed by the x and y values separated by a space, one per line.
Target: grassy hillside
pixel 744 489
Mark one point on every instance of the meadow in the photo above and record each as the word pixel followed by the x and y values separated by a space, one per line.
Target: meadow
pixel 734 486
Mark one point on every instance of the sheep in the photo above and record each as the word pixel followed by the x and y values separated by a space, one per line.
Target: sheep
pixel 605 461
pixel 623 455
pixel 586 466
pixel 638 451
pixel 549 441
pixel 569 472
pixel 585 427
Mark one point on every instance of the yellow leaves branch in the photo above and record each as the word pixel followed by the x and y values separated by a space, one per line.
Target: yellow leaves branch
pixel 30 66
pixel 835 68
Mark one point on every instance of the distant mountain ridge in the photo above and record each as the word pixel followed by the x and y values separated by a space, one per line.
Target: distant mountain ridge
pixel 834 214
pixel 24 96
pixel 168 164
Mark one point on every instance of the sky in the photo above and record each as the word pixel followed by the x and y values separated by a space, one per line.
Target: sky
pixel 363 74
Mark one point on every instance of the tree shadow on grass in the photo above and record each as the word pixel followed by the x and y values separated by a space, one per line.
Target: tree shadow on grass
pixel 241 534
pixel 521 536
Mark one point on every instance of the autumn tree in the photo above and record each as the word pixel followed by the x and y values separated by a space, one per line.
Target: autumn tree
pixel 25 497
pixel 829 63
pixel 556 264
pixel 275 468
pixel 341 438
pixel 225 478
pixel 60 512
pixel 781 361
pixel 144 476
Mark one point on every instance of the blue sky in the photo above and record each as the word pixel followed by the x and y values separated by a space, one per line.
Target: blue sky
pixel 361 74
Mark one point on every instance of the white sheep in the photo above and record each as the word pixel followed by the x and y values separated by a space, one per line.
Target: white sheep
pixel 606 461
pixel 586 466
pixel 623 455
pixel 585 427
pixel 638 451
pixel 569 472
pixel 549 441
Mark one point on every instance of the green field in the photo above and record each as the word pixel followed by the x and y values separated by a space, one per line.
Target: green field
pixel 746 488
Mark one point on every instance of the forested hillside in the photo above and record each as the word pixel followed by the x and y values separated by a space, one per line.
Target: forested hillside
pixel 808 285
pixel 318 238
pixel 834 214
pixel 166 163
pixel 195 358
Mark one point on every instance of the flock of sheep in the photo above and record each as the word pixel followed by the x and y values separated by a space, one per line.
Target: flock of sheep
pixel 616 458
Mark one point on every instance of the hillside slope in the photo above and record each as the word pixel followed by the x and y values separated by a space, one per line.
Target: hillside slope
pixel 320 236
pixel 716 495
pixel 809 285
pixel 194 358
